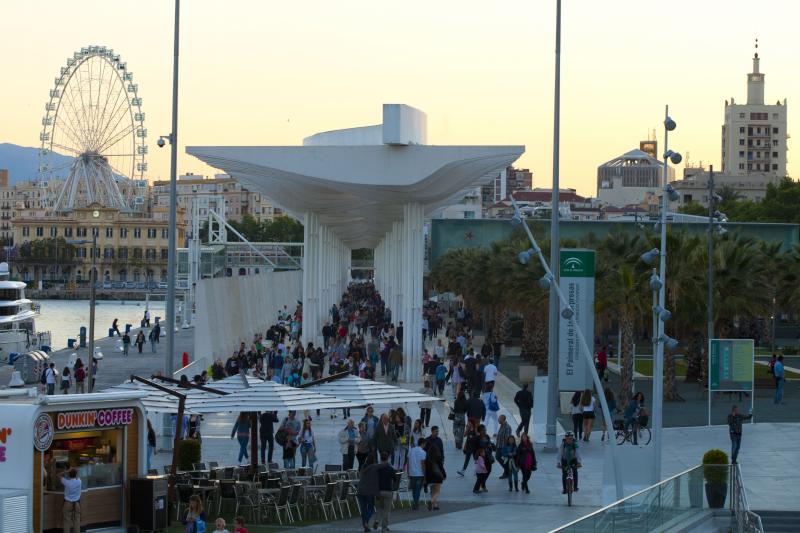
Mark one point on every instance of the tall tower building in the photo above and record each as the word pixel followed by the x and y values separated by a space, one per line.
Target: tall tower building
pixel 754 134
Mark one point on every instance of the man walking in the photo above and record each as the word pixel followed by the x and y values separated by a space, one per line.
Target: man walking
pixel 779 380
pixel 735 427
pixel 265 431
pixel 154 337
pixel 385 436
pixel 50 379
pixel 416 471
pixel 524 401
pixel 395 362
pixel 126 343
pixel 385 492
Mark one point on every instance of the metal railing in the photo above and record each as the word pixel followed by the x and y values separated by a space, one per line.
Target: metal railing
pixel 676 501
pixel 746 521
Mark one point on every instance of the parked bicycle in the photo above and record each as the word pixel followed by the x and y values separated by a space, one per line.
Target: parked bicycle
pixel 638 433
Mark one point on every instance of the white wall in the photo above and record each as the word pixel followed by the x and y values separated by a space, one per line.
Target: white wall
pixel 232 310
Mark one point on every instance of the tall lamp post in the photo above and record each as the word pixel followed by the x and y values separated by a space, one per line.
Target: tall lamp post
pixel 715 221
pixel 552 345
pixel 92 294
pixel 660 313
pixel 173 230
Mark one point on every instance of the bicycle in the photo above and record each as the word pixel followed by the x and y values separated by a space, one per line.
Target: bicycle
pixel 570 482
pixel 623 434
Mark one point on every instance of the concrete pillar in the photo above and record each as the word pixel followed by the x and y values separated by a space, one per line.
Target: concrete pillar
pixel 311 267
pixel 412 290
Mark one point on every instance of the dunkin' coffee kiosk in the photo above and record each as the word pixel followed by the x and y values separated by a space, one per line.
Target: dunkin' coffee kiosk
pixel 101 435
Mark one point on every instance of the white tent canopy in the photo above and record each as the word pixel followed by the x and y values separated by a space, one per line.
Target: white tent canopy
pixel 268 396
pixel 365 391
pixel 156 401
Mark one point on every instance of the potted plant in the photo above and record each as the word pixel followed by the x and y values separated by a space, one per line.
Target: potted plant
pixel 188 453
pixel 715 472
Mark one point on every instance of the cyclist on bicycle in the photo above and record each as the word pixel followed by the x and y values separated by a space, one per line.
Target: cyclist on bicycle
pixel 569 457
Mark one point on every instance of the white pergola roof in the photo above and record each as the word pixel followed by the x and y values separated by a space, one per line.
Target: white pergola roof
pixel 365 391
pixel 358 191
pixel 268 396
pixel 156 401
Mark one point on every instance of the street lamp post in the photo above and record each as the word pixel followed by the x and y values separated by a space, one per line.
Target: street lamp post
pixel 711 208
pixel 552 354
pixel 92 295
pixel 172 253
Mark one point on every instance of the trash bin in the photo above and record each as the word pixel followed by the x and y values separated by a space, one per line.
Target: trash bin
pixel 70 343
pixel 148 502
pixel 128 328
pixel 141 324
pixel 110 332
pixel 82 337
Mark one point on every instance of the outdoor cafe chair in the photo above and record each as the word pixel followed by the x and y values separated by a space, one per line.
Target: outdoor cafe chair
pixel 294 499
pixel 199 466
pixel 167 469
pixel 352 474
pixel 227 492
pixel 184 493
pixel 326 501
pixel 274 466
pixel 246 502
pixel 342 495
pixel 152 472
pixel 281 505
pixel 333 468
pixel 401 488
pixel 318 479
pixel 213 464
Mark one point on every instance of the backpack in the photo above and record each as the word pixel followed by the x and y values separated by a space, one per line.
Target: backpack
pixel 493 405
pixel 43 377
pixel 441 372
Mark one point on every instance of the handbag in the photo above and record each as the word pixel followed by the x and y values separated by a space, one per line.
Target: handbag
pixel 452 415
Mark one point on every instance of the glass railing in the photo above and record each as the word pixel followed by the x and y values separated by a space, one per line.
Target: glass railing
pixel 673 502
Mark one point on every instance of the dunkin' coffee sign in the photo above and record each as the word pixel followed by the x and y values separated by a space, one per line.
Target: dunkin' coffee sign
pixel 99 418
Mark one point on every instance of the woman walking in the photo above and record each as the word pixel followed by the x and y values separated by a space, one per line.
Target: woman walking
pixel 402 429
pixel 508 452
pixel 612 408
pixel 79 373
pixel 66 381
pixel 434 474
pixel 577 414
pixel 308 445
pixel 526 460
pixel 364 446
pixel 417 432
pixel 470 446
pixel 349 439
pixel 459 418
pixel 241 429
pixel 587 406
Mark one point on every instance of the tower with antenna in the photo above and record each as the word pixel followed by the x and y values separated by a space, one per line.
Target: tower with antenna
pixel 754 135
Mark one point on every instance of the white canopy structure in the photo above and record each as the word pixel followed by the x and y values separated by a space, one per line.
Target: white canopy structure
pixel 155 401
pixel 269 396
pixel 366 187
pixel 365 391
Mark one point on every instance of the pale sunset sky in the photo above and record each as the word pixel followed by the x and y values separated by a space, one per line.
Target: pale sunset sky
pixel 271 72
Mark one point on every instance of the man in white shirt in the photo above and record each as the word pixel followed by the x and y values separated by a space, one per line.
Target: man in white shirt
pixel 50 378
pixel 416 471
pixel 489 374
pixel 72 501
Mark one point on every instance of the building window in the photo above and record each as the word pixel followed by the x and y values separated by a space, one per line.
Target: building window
pixel 80 252
pixel 108 253
pixel 122 253
pixel 749 166
pixel 151 233
pixel 164 254
pixel 39 231
pixel 26 231
pixel 741 142
pixel 758 116
pixel 774 142
pixel 741 166
pixel 68 232
pixel 123 233
pixel 774 167
pixel 741 115
pixel 123 275
pixel 95 232
pixel 774 115
pixel 137 233
pixel 741 129
pixel 774 154
pixel 109 232
pixel 741 153
pixel 137 253
pixel 749 155
pixel 53 231
pixel 151 254
pixel 165 233
pixel 774 130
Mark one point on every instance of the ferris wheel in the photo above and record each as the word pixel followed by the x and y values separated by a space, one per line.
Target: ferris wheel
pixel 94 117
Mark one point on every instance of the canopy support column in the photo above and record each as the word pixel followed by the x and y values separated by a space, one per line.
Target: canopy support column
pixel 311 266
pixel 412 255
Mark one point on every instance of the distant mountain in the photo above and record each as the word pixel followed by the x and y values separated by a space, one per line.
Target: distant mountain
pixel 22 162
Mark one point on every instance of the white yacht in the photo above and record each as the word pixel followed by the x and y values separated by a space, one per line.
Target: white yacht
pixel 17 330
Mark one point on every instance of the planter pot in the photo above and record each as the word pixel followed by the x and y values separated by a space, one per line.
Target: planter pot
pixel 716 494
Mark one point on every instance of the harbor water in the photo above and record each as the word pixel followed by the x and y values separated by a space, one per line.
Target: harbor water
pixel 64 318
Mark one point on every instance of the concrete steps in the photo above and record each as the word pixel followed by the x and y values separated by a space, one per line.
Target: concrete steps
pixel 780 521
